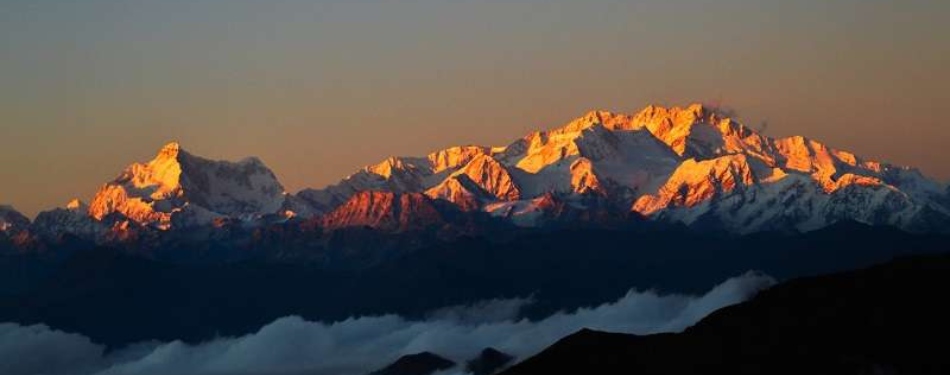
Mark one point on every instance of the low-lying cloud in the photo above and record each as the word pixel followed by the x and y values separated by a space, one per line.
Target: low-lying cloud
pixel 357 346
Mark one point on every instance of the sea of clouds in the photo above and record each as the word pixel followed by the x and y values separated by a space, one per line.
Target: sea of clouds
pixel 357 346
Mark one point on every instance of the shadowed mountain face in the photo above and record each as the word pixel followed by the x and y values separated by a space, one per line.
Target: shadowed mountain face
pixel 888 319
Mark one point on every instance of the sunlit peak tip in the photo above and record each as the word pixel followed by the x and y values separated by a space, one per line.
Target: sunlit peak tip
pixel 75 204
pixel 597 112
pixel 696 107
pixel 170 149
pixel 692 107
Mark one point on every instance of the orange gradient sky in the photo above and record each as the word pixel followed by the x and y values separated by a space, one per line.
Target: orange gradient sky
pixel 319 88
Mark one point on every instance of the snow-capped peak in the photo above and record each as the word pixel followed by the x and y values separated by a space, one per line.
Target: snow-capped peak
pixel 686 164
pixel 77 205
pixel 177 183
pixel 694 165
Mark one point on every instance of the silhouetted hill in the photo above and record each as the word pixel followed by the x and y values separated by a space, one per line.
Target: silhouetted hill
pixel 489 361
pixel 887 319
pixel 416 364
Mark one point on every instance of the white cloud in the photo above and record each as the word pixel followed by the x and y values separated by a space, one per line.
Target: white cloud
pixel 40 350
pixel 359 345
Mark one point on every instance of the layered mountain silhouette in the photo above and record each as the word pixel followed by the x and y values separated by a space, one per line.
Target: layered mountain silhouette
pixel 488 362
pixel 690 166
pixel 881 320
pixel 119 297
pixel 424 363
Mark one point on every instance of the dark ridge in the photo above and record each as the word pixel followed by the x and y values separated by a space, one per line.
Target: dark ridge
pixel 424 363
pixel 488 362
pixel 881 320
pixel 117 298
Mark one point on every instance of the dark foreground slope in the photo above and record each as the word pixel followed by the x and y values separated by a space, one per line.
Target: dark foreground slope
pixel 889 319
pixel 116 298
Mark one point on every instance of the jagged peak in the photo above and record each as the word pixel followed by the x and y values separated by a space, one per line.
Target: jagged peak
pixel 694 182
pixel 174 152
pixel 482 159
pixel 849 179
pixel 152 192
pixel 11 219
pixel 454 157
pixel 170 150
pixel 677 126
pixel 583 178
pixel 672 125
pixel 389 167
pixel 163 171
pixel 76 205
pixel 405 174
pixel 607 119
pixel 691 114
pixel 796 139
pixel 385 168
pixel 492 176
pixel 678 117
pixel 384 210
pixel 696 109
pixel 460 190
pixel 251 160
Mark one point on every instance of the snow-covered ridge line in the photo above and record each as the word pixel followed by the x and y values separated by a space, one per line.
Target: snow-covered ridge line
pixel 691 165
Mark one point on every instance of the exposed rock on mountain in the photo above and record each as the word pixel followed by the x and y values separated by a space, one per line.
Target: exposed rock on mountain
pixel 386 211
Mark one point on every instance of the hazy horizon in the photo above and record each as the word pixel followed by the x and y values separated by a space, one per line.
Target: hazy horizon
pixel 318 89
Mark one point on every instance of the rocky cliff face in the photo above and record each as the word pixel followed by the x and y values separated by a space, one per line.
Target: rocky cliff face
pixel 386 211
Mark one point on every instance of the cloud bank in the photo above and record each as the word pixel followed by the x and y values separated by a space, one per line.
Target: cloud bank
pixel 357 346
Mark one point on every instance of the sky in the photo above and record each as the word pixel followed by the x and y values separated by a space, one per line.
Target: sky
pixel 320 88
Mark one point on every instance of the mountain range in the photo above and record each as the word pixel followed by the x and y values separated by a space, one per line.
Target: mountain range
pixel 692 166
pixel 186 249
